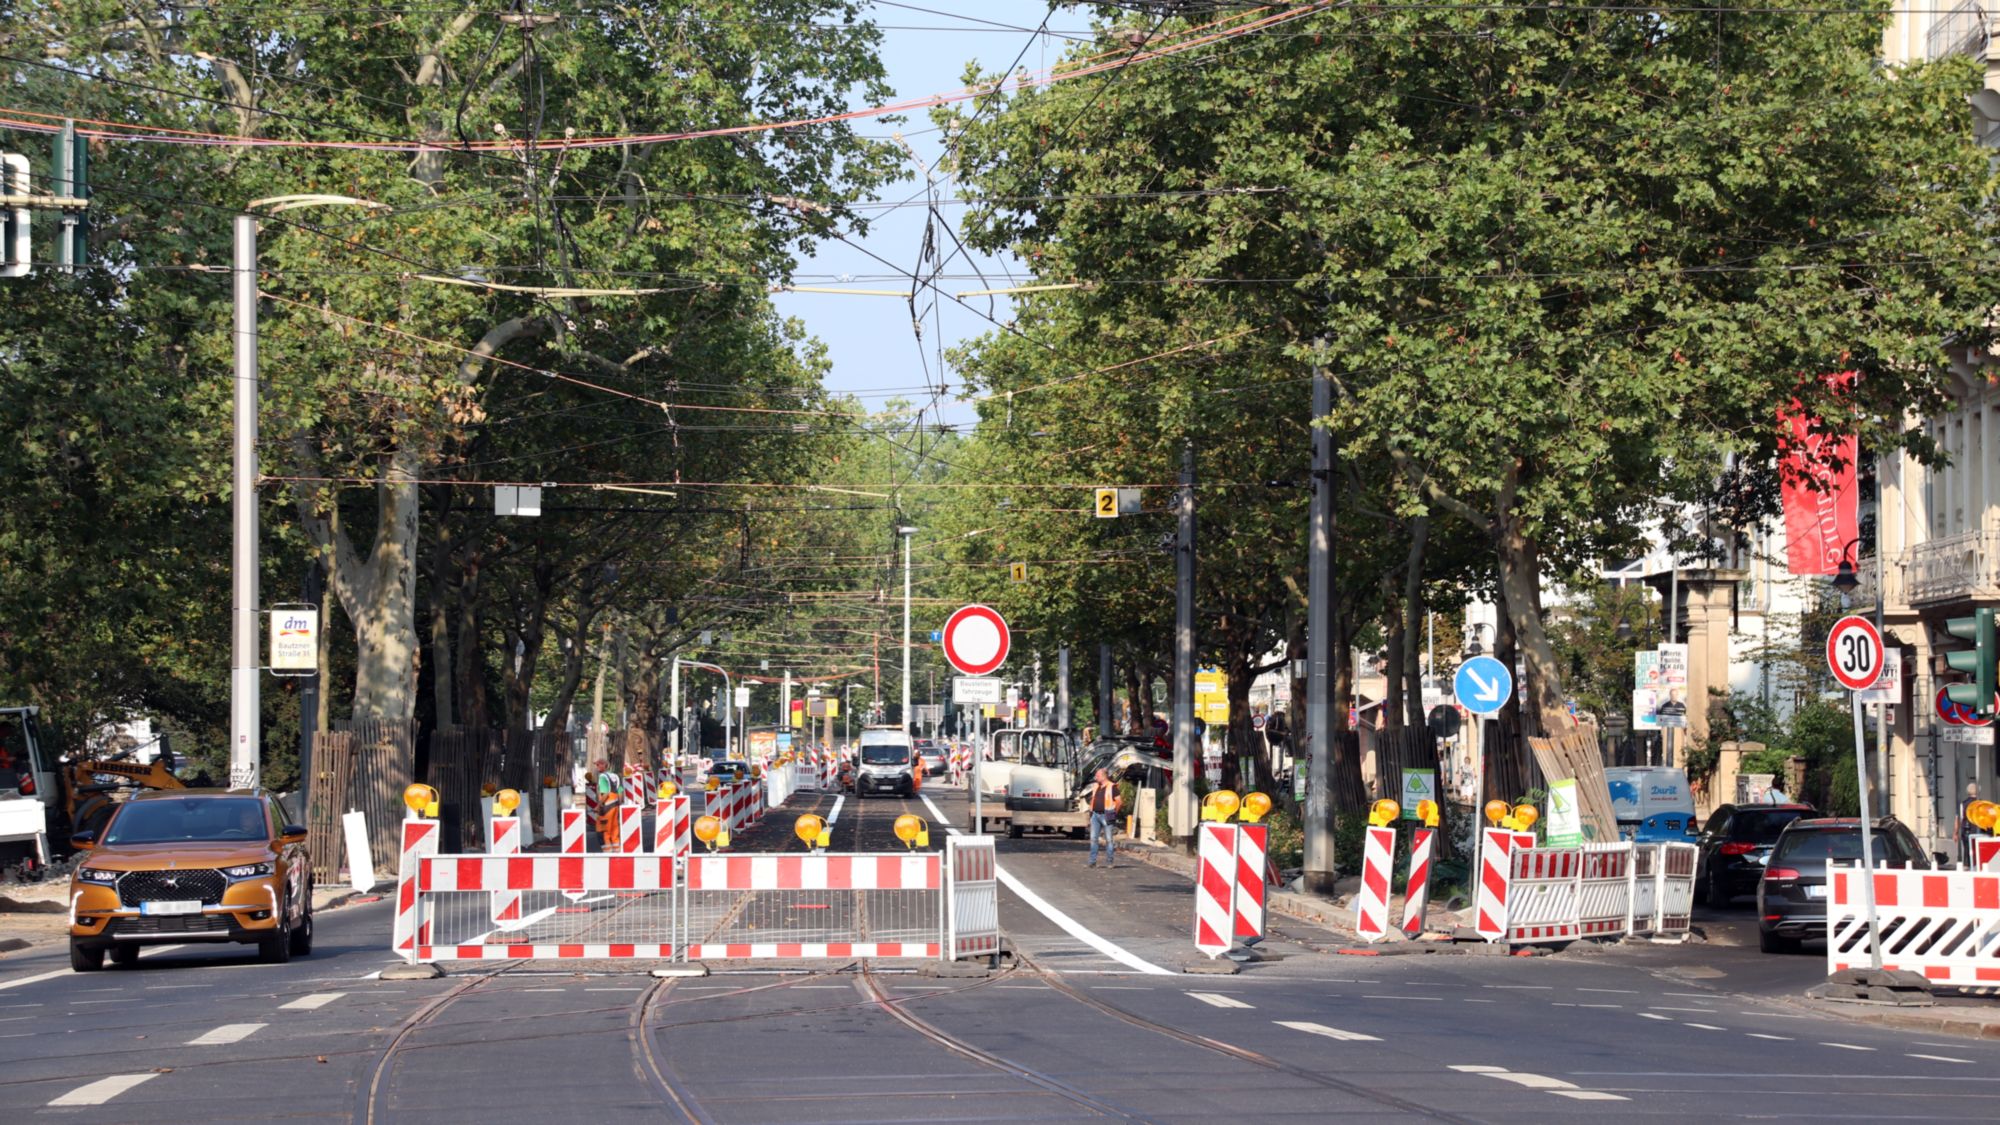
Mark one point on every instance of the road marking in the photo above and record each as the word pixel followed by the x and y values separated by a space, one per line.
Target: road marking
pixel 1692 995
pixel 1541 1082
pixel 1379 996
pixel 834 816
pixel 308 1003
pixel 621 989
pixel 226 1034
pixel 1619 991
pixel 1329 1032
pixel 1069 925
pixel 1704 1026
pixel 1655 1016
pixel 102 1090
pixel 1218 1000
pixel 19 981
pixel 1590 1095
pixel 1663 1008
pixel 1939 1058
pixel 1524 987
pixel 1779 1038
pixel 1847 1046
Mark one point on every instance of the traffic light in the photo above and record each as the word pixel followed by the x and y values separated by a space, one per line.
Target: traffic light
pixel 1979 660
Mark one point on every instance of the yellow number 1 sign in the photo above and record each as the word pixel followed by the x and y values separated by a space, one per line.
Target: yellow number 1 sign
pixel 1018 572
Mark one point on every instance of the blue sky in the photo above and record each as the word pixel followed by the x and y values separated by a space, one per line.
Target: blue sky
pixel 874 351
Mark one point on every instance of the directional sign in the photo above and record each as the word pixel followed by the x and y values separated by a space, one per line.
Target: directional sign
pixel 937 636
pixel 1483 685
pixel 1854 652
pixel 976 640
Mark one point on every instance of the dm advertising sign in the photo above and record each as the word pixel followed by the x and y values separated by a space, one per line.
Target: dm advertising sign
pixel 295 640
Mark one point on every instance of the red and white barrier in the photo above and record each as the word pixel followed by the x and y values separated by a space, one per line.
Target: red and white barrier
pixel 518 873
pixel 573 837
pixel 505 839
pixel 1542 894
pixel 1495 867
pixel 420 842
pixel 1985 853
pixel 1417 894
pixel 1673 904
pixel 1604 891
pixel 918 871
pixel 1252 846
pixel 631 828
pixel 1215 888
pixel 673 826
pixel 1378 867
pixel 1942 924
pixel 972 921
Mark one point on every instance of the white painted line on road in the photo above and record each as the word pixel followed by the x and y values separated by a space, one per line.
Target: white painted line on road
pixel 376 975
pixel 1619 991
pixel 226 1034
pixel 308 1003
pixel 1379 996
pixel 1847 1046
pixel 1523 987
pixel 611 990
pixel 102 1090
pixel 1663 1008
pixel 1069 925
pixel 1218 1000
pixel 19 981
pixel 1704 1026
pixel 1938 1058
pixel 1691 995
pixel 1329 1032
pixel 1655 1016
pixel 1779 1038
pixel 1543 1082
pixel 1474 1068
pixel 1590 1095
pixel 834 816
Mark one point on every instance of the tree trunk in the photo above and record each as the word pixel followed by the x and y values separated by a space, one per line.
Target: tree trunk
pixel 1413 623
pixel 1135 712
pixel 1392 663
pixel 1520 580
pixel 380 594
pixel 443 699
pixel 476 707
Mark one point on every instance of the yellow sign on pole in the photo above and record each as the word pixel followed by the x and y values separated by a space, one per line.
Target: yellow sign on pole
pixel 1017 572
pixel 1107 503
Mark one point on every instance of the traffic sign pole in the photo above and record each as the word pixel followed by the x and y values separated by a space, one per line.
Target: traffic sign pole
pixel 1854 653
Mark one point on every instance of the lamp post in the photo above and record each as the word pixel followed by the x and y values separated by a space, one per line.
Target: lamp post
pixel 245 691
pixel 728 698
pixel 906 532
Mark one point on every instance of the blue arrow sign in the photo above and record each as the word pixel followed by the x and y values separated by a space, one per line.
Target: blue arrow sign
pixel 1483 685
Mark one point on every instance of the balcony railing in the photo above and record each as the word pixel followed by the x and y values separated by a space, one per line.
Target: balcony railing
pixel 1960 31
pixel 1893 574
pixel 1966 565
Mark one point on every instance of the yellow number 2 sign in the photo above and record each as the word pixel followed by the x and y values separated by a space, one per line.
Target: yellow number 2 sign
pixel 1107 503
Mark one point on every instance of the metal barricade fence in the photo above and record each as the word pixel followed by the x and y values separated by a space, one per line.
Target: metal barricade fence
pixel 1674 904
pixel 785 906
pixel 1942 924
pixel 972 922
pixel 1603 895
pixel 629 907
pixel 1542 894
pixel 1643 889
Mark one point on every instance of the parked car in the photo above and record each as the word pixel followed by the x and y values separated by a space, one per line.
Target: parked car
pixel 1791 898
pixel 191 865
pixel 932 755
pixel 1734 845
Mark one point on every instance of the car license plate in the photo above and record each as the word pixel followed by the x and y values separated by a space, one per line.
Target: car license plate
pixel 171 906
pixel 1815 892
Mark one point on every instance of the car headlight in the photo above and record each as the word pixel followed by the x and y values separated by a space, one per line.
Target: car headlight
pixel 247 871
pixel 98 875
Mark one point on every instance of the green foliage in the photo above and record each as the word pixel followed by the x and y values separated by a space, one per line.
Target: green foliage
pixel 1595 639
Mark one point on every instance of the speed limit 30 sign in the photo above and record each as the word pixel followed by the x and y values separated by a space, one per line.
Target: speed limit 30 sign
pixel 1854 652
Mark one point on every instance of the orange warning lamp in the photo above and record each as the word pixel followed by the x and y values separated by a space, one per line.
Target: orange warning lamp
pixel 548 781
pixel 708 829
pixel 808 829
pixel 505 802
pixel 1984 814
pixel 1383 811
pixel 1496 811
pixel 668 789
pixel 714 783
pixel 1525 816
pixel 912 830
pixel 1256 806
pixel 488 789
pixel 1427 811
pixel 421 798
pixel 1220 805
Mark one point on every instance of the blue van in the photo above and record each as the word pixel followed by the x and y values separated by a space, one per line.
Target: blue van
pixel 1653 804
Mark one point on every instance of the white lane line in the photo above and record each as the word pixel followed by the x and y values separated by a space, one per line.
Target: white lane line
pixel 1218 1000
pixel 1619 991
pixel 1655 1016
pixel 1474 1068
pixel 1664 1008
pixel 102 1090
pixel 1329 1032
pixel 1379 996
pixel 19 981
pixel 1692 995
pixel 1938 1058
pixel 226 1034
pixel 1542 1082
pixel 1590 1095
pixel 308 1003
pixel 1779 1038
pixel 1522 987
pixel 1704 1026
pixel 1069 925
pixel 1847 1046
pixel 839 801
pixel 611 989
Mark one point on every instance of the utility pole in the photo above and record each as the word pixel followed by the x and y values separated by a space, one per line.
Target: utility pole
pixel 1180 814
pixel 245 737
pixel 678 736
pixel 1320 616
pixel 785 704
pixel 906 533
pixel 1062 688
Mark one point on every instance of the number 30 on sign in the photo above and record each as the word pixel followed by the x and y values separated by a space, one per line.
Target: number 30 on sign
pixel 1854 652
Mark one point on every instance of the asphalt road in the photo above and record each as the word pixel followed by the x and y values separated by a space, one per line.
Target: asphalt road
pixel 1094 1021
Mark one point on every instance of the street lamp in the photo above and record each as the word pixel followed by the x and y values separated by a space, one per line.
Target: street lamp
pixel 906 533
pixel 1844 579
pixel 245 737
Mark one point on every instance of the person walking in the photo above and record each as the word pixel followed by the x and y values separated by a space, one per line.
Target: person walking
pixel 1104 804
pixel 1966 828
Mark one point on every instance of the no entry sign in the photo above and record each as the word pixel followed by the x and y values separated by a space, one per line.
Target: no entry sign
pixel 1854 652
pixel 976 640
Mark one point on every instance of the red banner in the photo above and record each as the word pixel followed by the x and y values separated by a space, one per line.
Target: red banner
pixel 1816 481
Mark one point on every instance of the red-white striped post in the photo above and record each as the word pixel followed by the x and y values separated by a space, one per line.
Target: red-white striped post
pixel 505 839
pixel 573 838
pixel 1417 896
pixel 1371 902
pixel 420 842
pixel 1252 841
pixel 673 824
pixel 1215 888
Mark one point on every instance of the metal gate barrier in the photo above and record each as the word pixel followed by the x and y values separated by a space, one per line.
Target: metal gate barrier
pixel 786 906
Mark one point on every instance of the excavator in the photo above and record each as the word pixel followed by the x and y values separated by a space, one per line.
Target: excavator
pixel 43 797
pixel 1047 782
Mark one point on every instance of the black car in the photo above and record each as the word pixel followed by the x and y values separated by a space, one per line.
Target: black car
pixel 1734 845
pixel 1791 899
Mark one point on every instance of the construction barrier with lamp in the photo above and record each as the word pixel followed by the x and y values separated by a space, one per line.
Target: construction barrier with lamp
pixel 1230 871
pixel 706 904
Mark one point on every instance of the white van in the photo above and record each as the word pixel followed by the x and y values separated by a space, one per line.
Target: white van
pixel 1652 804
pixel 885 763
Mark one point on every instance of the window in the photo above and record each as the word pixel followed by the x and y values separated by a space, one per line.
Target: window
pixel 1762 825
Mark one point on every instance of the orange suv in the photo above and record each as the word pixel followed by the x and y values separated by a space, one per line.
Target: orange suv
pixel 191 865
